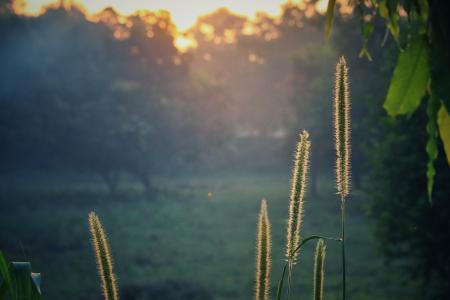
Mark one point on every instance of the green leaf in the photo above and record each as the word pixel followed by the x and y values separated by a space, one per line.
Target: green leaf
pixel 22 279
pixel 365 52
pixel 444 129
pixel 409 82
pixel 423 11
pixel 440 53
pixel 17 281
pixel 384 12
pixel 6 280
pixel 431 147
pixel 388 10
pixel 368 28
pixel 330 18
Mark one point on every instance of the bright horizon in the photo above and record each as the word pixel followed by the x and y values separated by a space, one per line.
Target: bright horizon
pixel 184 13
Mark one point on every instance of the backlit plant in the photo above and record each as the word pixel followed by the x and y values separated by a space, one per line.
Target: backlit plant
pixel 263 248
pixel 103 258
pixel 294 241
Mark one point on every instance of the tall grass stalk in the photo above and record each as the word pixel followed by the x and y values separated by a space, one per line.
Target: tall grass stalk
pixel 297 195
pixel 298 187
pixel 103 258
pixel 263 255
pixel 319 261
pixel 342 143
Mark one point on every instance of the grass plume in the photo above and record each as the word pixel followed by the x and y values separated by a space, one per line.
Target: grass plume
pixel 319 261
pixel 342 128
pixel 298 187
pixel 103 258
pixel 263 249
pixel 342 139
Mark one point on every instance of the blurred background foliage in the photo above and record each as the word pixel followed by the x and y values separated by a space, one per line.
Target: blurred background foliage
pixel 104 111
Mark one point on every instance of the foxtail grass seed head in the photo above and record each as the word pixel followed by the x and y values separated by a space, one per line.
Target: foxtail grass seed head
pixel 103 258
pixel 298 187
pixel 263 250
pixel 319 262
pixel 342 129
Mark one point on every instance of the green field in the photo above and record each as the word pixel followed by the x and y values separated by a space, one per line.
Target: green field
pixel 183 244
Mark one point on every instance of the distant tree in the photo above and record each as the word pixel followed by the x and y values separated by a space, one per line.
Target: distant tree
pixel 100 96
pixel 6 7
pixel 412 233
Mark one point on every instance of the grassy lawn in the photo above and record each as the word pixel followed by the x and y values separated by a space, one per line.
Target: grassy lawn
pixel 183 244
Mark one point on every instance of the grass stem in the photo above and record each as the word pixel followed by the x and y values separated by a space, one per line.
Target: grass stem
pixel 343 248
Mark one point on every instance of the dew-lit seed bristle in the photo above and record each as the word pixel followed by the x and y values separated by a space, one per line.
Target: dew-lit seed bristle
pixel 103 258
pixel 342 129
pixel 298 187
pixel 319 261
pixel 263 250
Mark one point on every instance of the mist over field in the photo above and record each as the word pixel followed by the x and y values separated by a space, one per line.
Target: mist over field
pixel 173 138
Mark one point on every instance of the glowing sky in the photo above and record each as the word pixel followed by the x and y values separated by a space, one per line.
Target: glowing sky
pixel 184 12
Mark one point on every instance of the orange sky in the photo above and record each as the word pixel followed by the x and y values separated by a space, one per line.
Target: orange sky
pixel 184 12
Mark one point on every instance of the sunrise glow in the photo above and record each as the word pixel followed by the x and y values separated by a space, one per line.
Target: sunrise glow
pixel 184 13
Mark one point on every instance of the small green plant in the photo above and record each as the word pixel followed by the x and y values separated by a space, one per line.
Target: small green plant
pixel 103 258
pixel 263 252
pixel 17 282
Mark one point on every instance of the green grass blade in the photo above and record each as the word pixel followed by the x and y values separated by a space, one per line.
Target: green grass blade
pixel 281 283
pixel 6 282
pixel 330 19
pixel 22 279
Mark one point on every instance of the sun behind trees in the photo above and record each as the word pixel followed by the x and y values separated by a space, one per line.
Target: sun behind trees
pixel 94 105
pixel 111 95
